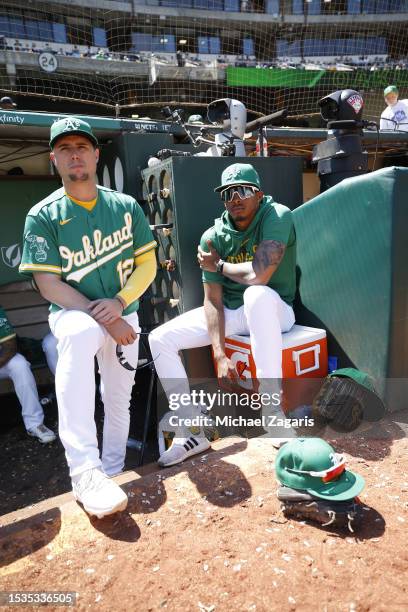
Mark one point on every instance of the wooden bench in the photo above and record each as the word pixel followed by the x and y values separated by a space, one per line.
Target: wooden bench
pixel 27 311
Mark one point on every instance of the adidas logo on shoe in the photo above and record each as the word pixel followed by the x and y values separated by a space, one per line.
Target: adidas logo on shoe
pixel 183 448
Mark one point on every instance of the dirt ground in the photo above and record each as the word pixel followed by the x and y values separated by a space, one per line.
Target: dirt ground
pixel 30 471
pixel 209 536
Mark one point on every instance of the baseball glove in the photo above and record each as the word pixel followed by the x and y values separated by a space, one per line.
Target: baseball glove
pixel 340 403
pixel 303 506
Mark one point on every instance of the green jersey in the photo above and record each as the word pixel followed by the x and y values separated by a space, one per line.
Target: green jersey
pixel 271 222
pixel 93 251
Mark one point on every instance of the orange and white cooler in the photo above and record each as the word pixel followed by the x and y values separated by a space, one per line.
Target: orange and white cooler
pixel 304 353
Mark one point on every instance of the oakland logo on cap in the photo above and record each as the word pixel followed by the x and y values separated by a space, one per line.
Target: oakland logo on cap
pixel 232 174
pixel 71 124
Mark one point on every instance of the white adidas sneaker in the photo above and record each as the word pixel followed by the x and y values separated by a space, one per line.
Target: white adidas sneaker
pixel 98 494
pixel 42 433
pixel 183 448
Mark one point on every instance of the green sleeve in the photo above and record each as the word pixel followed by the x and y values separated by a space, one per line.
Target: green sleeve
pixel 143 239
pixel 210 277
pixel 40 249
pixel 278 225
pixel 6 329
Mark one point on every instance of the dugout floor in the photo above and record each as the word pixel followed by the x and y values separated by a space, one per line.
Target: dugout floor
pixel 209 536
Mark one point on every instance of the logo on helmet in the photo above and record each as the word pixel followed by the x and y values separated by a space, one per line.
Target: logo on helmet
pixel 232 174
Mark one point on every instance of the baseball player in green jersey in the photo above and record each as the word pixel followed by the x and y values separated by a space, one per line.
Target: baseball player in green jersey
pixel 91 253
pixel 248 259
pixel 13 365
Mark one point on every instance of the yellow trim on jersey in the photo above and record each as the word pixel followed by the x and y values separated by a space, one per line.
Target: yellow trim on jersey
pixel 7 338
pixel 89 205
pixel 145 248
pixel 140 278
pixel 40 268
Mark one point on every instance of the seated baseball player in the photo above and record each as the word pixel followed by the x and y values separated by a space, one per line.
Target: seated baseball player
pixel 248 261
pixel 91 253
pixel 15 366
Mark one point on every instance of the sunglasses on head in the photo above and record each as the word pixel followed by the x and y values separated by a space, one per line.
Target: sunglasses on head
pixel 243 191
pixel 331 473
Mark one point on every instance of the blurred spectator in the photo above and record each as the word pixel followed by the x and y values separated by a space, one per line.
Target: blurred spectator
pixel 180 58
pixel 100 55
pixel 3 45
pixel 76 52
pixel 395 116
pixel 6 103
pixel 49 49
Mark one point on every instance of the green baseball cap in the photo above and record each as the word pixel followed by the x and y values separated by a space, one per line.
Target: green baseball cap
pixel 239 174
pixel 372 404
pixel 312 465
pixel 69 126
pixel 390 89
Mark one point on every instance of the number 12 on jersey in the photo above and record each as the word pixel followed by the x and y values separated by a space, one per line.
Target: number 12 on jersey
pixel 125 269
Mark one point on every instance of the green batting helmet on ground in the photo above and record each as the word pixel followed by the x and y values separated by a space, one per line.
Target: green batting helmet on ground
pixel 312 465
pixel 239 174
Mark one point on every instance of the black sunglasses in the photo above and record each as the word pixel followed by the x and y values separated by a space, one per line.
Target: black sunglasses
pixel 243 191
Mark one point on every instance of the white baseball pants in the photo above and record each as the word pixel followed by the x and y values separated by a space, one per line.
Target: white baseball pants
pixel 264 316
pixel 18 369
pixel 49 346
pixel 80 338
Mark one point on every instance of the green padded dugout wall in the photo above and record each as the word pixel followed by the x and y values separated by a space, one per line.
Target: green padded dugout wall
pixel 17 196
pixel 353 275
pixel 124 157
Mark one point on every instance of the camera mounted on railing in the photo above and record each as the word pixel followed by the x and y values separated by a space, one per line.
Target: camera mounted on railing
pixel 341 155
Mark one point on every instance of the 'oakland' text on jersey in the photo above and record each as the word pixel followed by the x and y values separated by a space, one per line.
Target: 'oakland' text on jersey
pixel 93 249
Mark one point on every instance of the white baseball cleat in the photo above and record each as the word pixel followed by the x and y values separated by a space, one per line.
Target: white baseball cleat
pixel 98 494
pixel 181 449
pixel 42 433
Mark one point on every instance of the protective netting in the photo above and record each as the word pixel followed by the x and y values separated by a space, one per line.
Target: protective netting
pixel 269 54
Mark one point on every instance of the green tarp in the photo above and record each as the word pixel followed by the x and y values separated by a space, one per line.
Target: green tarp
pixel 294 78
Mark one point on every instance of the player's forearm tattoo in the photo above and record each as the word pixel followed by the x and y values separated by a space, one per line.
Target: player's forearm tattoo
pixel 269 253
